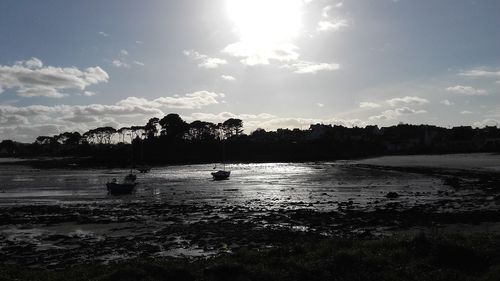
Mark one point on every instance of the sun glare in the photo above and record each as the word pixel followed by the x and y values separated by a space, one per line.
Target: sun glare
pixel 263 22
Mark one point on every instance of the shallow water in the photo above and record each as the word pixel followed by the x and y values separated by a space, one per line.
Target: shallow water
pixel 271 185
pixel 55 217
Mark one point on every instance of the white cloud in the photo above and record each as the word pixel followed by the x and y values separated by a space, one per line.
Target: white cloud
pixel 466 90
pixel 320 104
pixel 28 133
pixel 447 102
pixel 13 120
pixel 265 116
pixel 269 122
pixel 31 63
pixel 40 91
pixel 188 101
pixel 486 122
pixel 325 11
pixel 369 105
pixel 394 113
pixel 336 24
pixel 107 110
pixel 28 122
pixel 119 63
pixel 303 67
pixel 226 115
pixel 228 77
pixel 212 63
pixel 408 100
pixel 89 93
pixel 252 53
pixel 481 73
pixel 295 122
pixel 205 61
pixel 30 78
pixel 124 60
pixel 29 119
pixel 103 34
pixel 80 119
pixel 466 112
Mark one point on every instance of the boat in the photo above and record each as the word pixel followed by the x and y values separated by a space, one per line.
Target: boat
pixel 143 169
pixel 130 177
pixel 126 187
pixel 221 175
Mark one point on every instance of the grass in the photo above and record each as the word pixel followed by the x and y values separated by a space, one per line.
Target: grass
pixel 418 258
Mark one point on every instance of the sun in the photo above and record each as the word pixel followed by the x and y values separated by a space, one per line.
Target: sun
pixel 265 22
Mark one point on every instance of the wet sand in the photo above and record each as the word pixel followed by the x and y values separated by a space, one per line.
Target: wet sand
pixel 58 217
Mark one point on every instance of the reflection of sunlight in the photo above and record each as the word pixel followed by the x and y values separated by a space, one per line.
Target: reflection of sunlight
pixel 265 26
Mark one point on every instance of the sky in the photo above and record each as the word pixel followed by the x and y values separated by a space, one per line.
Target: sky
pixel 77 65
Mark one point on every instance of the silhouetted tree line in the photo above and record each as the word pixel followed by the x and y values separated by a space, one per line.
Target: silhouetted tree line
pixel 173 140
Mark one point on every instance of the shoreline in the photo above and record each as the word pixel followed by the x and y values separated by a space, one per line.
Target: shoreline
pixel 72 162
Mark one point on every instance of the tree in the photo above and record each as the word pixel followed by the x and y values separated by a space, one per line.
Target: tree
pixel 89 136
pixel 173 126
pixel 151 128
pixel 259 134
pixel 8 147
pixel 45 140
pixel 137 132
pixel 122 132
pixel 100 135
pixel 69 138
pixel 200 130
pixel 232 127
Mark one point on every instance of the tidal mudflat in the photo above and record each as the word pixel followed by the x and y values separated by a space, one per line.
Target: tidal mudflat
pixel 54 218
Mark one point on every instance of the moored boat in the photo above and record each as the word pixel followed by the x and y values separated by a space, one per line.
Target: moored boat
pixel 125 187
pixel 221 175
pixel 120 188
pixel 143 169
pixel 130 177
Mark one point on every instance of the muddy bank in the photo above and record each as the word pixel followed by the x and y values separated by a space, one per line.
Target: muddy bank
pixel 420 257
pixel 54 219
pixel 60 236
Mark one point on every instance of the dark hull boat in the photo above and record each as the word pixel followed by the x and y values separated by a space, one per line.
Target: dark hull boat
pixel 125 187
pixel 130 177
pixel 221 175
pixel 121 188
pixel 143 169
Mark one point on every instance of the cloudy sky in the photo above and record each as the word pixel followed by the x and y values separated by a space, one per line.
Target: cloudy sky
pixel 75 65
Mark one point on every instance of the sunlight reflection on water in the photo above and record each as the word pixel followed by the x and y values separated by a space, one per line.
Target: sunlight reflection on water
pixel 263 184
